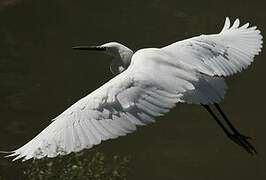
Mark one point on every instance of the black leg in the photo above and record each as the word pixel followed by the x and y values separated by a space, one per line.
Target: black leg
pixel 228 121
pixel 236 137
pixel 216 119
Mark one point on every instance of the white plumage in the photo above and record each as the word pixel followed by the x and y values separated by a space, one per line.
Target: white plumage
pixel 154 80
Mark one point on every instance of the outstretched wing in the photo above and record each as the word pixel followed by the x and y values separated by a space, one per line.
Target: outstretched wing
pixel 223 54
pixel 132 98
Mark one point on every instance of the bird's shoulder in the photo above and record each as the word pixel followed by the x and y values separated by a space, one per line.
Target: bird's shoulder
pixel 146 53
pixel 149 58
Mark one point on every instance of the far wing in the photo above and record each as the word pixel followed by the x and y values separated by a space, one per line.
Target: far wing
pixel 112 110
pixel 223 54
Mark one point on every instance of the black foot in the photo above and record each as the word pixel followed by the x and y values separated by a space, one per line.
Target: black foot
pixel 242 141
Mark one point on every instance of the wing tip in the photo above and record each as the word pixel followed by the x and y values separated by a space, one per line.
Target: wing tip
pixel 245 27
pixel 226 24
pixel 236 24
pixel 6 152
pixel 10 154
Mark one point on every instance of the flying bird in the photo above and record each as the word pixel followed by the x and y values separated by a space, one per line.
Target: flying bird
pixel 147 84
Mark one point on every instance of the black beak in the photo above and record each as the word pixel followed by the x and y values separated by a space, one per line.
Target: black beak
pixel 90 48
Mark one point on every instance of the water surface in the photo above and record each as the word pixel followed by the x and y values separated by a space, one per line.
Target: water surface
pixel 40 76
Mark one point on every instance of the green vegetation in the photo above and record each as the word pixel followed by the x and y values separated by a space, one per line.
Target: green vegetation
pixel 80 166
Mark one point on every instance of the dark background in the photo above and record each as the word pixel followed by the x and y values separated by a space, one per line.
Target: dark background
pixel 40 76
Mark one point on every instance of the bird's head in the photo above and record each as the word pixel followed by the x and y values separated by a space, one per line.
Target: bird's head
pixel 120 53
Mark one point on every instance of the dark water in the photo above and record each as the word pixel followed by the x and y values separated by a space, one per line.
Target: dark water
pixel 40 76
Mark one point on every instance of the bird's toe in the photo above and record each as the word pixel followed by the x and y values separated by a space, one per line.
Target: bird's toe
pixel 242 141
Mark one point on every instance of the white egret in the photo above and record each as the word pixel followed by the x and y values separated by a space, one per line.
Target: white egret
pixel 148 84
